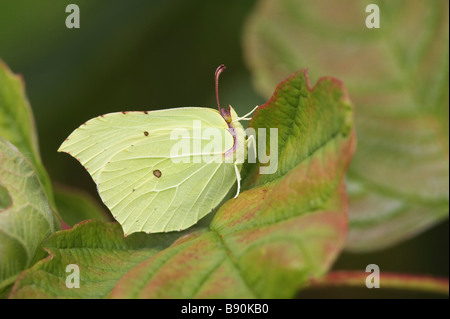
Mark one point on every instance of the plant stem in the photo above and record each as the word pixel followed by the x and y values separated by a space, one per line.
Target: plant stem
pixel 387 280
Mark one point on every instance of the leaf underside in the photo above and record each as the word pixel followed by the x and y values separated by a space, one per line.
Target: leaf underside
pixel 26 218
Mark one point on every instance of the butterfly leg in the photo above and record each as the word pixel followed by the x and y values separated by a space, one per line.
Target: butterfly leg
pixel 238 177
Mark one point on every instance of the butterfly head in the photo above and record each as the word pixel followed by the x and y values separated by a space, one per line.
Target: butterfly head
pixel 227 114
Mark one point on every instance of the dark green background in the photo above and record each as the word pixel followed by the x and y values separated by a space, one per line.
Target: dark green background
pixel 144 55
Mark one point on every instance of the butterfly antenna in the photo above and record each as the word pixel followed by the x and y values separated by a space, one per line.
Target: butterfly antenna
pixel 219 70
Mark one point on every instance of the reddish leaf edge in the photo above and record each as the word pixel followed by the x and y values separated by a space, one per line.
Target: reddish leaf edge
pixel 339 83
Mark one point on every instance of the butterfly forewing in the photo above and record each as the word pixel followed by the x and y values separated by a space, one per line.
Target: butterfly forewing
pixel 146 185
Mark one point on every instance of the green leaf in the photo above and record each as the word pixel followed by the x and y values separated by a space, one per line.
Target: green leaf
pixel 75 206
pixel 399 179
pixel 284 229
pixel 26 218
pixel 17 123
pixel 100 251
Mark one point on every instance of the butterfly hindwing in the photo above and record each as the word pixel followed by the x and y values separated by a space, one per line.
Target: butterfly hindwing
pixel 178 198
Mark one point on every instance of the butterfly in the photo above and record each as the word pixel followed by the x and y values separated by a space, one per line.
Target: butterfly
pixel 160 171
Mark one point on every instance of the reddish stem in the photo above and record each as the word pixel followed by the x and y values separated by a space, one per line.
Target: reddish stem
pixel 387 280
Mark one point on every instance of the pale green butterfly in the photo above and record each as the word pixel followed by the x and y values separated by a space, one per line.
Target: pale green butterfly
pixel 145 184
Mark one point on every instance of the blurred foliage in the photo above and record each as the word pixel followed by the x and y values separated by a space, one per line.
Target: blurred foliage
pixel 17 123
pixel 398 182
pixel 75 205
